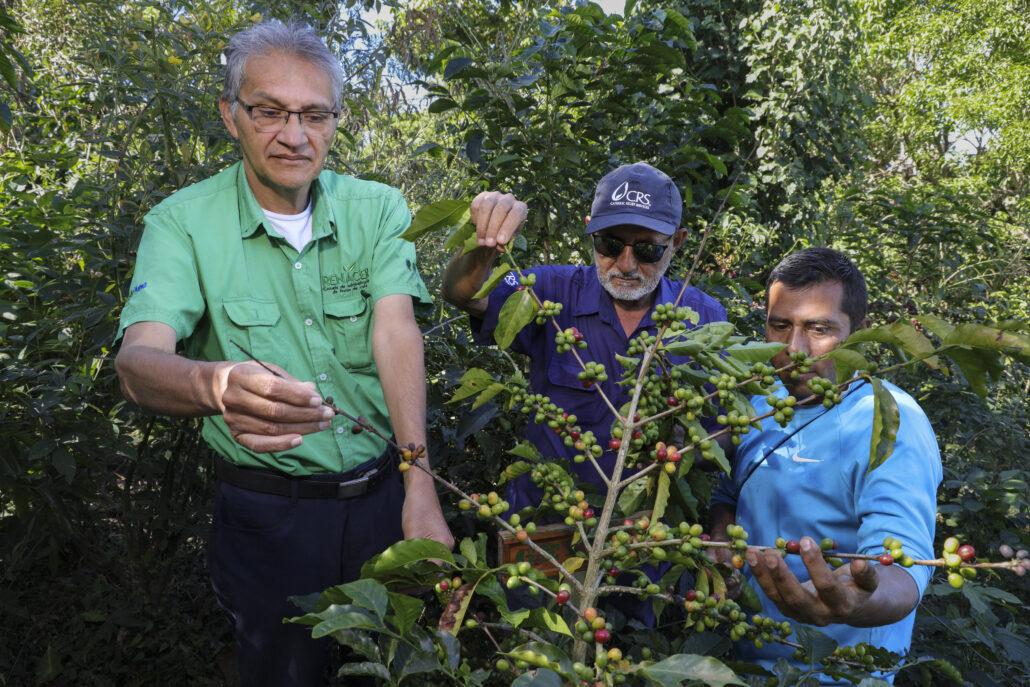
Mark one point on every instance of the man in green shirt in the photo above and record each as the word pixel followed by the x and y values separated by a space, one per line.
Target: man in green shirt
pixel 305 269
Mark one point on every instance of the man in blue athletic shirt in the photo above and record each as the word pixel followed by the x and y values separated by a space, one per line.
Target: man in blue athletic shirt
pixel 808 480
pixel 635 228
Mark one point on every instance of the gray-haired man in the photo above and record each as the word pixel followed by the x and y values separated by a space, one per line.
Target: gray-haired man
pixel 304 268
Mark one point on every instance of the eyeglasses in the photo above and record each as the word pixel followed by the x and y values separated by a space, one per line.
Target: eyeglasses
pixel 643 251
pixel 268 119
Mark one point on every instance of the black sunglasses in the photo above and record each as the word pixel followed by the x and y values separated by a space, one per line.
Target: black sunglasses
pixel 643 251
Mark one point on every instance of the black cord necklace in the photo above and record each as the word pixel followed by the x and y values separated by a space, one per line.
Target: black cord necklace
pixel 784 440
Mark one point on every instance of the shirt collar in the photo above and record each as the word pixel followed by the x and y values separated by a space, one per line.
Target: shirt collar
pixel 251 215
pixel 323 221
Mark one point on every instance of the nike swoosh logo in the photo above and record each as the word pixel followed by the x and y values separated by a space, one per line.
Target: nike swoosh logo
pixel 798 459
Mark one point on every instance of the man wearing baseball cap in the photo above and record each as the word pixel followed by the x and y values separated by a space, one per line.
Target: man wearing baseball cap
pixel 635 229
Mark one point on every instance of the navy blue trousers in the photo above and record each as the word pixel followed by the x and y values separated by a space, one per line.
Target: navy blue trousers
pixel 265 548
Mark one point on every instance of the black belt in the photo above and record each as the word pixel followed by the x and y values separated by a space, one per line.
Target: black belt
pixel 313 487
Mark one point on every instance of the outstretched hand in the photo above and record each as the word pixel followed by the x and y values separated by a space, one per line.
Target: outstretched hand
pixel 498 218
pixel 830 596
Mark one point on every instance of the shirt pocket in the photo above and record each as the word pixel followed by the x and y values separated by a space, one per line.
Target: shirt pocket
pixel 257 323
pixel 568 393
pixel 348 323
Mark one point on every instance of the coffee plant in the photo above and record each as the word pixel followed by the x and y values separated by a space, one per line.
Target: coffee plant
pixel 554 628
pixel 897 126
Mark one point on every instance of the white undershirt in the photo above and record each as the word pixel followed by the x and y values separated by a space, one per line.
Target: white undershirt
pixel 294 228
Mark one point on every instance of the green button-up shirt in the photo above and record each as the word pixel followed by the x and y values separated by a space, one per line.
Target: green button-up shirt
pixel 213 269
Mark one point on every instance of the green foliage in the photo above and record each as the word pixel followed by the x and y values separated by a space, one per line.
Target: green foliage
pixel 114 111
pixel 666 395
pixel 75 185
pixel 885 425
pixel 949 79
pixel 9 28
pixel 106 108
pixel 679 667
pixel 984 499
pixel 113 106
pixel 944 200
pixel 400 648
pixel 572 98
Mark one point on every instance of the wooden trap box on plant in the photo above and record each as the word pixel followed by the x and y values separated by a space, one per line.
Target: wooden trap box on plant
pixel 554 539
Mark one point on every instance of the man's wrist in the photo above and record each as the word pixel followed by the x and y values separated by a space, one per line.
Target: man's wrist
pixel 417 481
pixel 211 379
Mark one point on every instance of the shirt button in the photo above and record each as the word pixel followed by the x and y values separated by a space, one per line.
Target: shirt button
pixel 309 322
pixel 297 265
pixel 322 377
pixel 339 430
pixel 353 318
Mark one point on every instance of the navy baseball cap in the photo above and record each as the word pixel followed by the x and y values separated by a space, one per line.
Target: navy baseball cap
pixel 636 194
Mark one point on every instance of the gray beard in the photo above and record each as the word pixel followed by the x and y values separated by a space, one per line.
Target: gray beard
pixel 633 293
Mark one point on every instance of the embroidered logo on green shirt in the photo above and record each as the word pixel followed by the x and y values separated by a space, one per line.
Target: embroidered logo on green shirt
pixel 351 279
